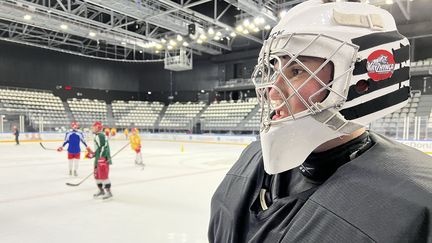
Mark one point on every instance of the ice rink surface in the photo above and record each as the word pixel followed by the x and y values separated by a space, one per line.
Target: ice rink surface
pixel 167 201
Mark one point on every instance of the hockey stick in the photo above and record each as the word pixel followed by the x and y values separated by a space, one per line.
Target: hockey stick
pixel 43 146
pixel 46 147
pixel 79 183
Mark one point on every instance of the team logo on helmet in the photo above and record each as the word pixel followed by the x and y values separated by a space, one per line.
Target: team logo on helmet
pixel 380 65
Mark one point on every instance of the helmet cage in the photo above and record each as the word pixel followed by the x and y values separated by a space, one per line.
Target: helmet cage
pixel 294 46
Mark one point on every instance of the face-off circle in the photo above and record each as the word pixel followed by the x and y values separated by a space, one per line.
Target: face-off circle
pixel 380 65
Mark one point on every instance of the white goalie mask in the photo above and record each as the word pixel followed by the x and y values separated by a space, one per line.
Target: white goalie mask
pixel 327 70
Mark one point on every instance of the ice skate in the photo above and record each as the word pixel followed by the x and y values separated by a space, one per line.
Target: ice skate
pixel 108 195
pixel 99 194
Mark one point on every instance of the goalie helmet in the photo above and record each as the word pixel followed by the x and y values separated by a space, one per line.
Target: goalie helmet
pixel 370 77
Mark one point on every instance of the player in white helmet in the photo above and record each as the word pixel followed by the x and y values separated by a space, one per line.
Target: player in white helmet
pixel 317 174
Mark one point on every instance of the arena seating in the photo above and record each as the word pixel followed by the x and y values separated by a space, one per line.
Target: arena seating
pixel 40 106
pixel 86 111
pixel 226 116
pixel 180 116
pixel 140 114
pixel 394 122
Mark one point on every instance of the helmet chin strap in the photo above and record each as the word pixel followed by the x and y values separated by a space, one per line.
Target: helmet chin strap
pixel 287 144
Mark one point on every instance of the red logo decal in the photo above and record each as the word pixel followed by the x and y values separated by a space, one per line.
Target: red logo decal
pixel 380 65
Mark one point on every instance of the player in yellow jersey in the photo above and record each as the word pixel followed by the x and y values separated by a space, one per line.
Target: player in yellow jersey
pixel 135 142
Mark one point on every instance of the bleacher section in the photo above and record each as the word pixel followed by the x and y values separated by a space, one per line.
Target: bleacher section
pixel 226 116
pixel 395 120
pixel 180 116
pixel 40 107
pixel 253 124
pixel 140 114
pixel 86 111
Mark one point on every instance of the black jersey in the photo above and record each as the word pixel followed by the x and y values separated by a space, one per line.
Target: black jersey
pixel 383 195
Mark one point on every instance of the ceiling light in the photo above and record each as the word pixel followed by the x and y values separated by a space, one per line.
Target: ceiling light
pixel 172 43
pixel 246 22
pixel 27 17
pixel 92 34
pixel 216 37
pixel 141 51
pixel 163 40
pixel 169 47
pixel 389 2
pixel 239 28
pixel 251 26
pixel 210 31
pixel 159 46
pixel 185 44
pixel 233 34
pixel 218 33
pixel 203 37
pixel 157 51
pixel 256 29
pixel 179 37
pixel 63 27
pixel 245 32
pixel 282 13
pixel 267 27
pixel 199 41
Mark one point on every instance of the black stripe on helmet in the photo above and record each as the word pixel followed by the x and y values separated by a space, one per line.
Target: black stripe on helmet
pixel 377 104
pixel 400 55
pixel 399 75
pixel 368 41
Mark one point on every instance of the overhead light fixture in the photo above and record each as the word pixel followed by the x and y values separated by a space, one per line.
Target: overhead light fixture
pixel 157 51
pixel 123 43
pixel 163 40
pixel 92 34
pixel 169 47
pixel 149 92
pixel 172 43
pixel 179 37
pixel 159 46
pixel 27 17
pixel 282 13
pixel 211 31
pixel 246 22
pixel 267 27
pixel 216 37
pixel 141 51
pixel 259 20
pixel 245 32
pixel 256 29
pixel 251 26
pixel 389 2
pixel 199 41
pixel 203 37
pixel 218 33
pixel 185 44
pixel 239 28
pixel 63 27
pixel 233 34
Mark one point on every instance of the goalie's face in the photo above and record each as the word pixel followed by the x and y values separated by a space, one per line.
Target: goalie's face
pixel 298 85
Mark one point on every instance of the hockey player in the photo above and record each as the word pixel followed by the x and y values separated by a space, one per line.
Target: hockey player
pixel 113 132
pixel 107 132
pixel 73 138
pixel 135 142
pixel 126 133
pixel 316 174
pixel 102 160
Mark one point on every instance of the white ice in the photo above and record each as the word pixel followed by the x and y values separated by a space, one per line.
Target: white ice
pixel 167 201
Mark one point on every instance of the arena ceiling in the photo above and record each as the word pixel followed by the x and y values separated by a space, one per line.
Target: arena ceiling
pixel 141 30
